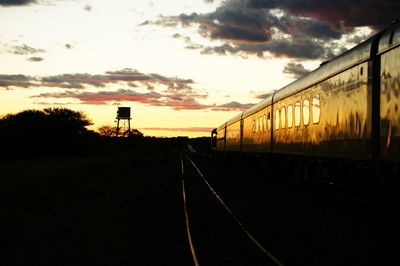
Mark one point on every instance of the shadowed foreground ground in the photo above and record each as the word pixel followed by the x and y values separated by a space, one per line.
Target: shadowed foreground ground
pixel 122 207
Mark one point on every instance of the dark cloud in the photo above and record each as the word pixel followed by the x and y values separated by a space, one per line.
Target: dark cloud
pixel 305 49
pixel 16 2
pixel 21 81
pixel 239 34
pixel 339 14
pixel 286 28
pixel 25 50
pixel 35 59
pixel 295 26
pixel 295 70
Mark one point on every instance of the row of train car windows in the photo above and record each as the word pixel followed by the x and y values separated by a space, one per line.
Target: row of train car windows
pixel 285 117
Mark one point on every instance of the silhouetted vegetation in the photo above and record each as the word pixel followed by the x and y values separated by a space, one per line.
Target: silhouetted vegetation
pixel 62 132
pixel 49 131
pixel 111 131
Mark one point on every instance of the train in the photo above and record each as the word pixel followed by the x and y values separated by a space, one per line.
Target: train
pixel 343 115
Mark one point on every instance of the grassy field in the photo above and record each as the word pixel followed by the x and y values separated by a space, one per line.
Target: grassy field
pixel 118 206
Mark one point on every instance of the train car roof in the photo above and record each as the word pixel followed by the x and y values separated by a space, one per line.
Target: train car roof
pixel 234 119
pixel 257 107
pixel 390 37
pixel 221 126
pixel 356 55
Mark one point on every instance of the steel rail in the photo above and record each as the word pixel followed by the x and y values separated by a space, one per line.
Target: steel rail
pixel 191 149
pixel 240 224
pixel 189 235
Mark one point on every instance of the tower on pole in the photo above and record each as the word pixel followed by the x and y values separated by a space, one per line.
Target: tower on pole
pixel 123 121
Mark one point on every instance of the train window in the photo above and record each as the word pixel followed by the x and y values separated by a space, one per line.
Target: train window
pixel 297 115
pixel 256 125
pixel 269 121
pixel 283 117
pixel 306 112
pixel 316 109
pixel 277 119
pixel 290 116
pixel 265 123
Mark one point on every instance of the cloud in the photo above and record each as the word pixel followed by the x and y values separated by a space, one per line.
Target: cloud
pixel 178 101
pixel 21 81
pixel 264 95
pixel 16 2
pixel 125 76
pixel 288 28
pixel 35 59
pixel 103 97
pixel 236 105
pixel 25 50
pixel 295 70
pixel 339 14
pixel 87 8
pixel 150 89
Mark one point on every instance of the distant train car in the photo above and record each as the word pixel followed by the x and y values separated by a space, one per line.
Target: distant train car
pixel 347 109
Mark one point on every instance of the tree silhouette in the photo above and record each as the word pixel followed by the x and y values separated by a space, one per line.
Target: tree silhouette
pixel 107 131
pixel 111 131
pixel 50 121
pixel 67 122
pixel 51 130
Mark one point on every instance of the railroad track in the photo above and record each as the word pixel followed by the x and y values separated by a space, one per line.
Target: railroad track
pixel 219 232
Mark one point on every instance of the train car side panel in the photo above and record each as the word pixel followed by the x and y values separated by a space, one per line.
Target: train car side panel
pixel 330 119
pixel 390 105
pixel 233 136
pixel 289 136
pixel 221 138
pixel 344 129
pixel 257 131
pixel 248 127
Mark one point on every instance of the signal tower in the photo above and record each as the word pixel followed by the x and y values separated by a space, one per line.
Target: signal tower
pixel 123 116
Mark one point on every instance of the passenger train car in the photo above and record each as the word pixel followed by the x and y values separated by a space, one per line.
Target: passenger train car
pixel 347 110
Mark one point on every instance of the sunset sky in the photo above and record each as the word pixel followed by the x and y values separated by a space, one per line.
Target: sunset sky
pixel 184 67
